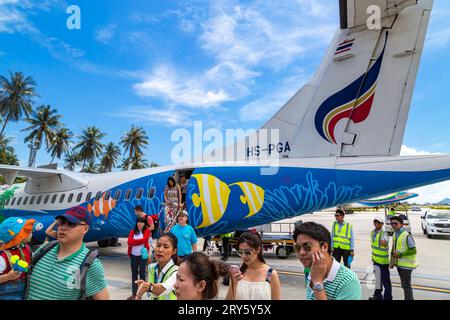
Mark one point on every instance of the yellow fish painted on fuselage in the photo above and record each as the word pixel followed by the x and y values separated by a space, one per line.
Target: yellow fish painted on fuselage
pixel 253 197
pixel 213 198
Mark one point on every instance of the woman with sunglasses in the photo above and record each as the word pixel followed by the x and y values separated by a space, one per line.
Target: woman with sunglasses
pixel 254 280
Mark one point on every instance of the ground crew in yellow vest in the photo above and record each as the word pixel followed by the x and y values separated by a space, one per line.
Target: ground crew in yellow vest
pixel 391 212
pixel 403 255
pixel 380 259
pixel 342 239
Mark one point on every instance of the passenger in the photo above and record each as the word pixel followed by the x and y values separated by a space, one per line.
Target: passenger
pixel 197 277
pixel 327 279
pixel 172 200
pixel 403 255
pixel 162 274
pixel 139 212
pixel 254 280
pixel 150 223
pixel 342 239
pixel 50 232
pixel 138 251
pixel 15 233
pixel 380 258
pixel 187 240
pixel 183 187
pixel 68 253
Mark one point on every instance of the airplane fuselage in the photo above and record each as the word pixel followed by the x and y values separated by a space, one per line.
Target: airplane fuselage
pixel 226 197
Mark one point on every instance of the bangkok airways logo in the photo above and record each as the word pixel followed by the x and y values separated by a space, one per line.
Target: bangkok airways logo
pixel 353 102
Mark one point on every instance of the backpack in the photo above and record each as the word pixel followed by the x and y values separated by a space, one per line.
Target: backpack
pixel 84 267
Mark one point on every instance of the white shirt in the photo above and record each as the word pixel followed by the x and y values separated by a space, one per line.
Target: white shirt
pixel 137 250
pixel 2 265
pixel 170 282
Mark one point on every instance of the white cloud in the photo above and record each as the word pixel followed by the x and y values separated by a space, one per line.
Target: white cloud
pixel 266 106
pixel 432 193
pixel 241 39
pixel 169 117
pixel 105 34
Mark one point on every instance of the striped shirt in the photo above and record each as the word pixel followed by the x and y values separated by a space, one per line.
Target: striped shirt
pixel 341 284
pixel 54 279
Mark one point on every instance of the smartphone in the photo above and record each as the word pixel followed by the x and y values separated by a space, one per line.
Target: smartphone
pixel 234 268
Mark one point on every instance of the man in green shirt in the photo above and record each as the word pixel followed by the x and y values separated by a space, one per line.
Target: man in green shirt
pixel 328 279
pixel 56 276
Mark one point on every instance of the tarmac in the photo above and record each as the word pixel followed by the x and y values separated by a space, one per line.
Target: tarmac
pixel 431 279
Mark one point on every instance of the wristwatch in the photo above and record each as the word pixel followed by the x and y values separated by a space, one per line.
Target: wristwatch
pixel 150 288
pixel 318 286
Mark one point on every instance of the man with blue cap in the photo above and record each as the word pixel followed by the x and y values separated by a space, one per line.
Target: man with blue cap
pixel 57 273
pixel 15 233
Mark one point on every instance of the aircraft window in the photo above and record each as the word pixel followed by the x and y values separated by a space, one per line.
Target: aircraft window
pixel 61 198
pixel 69 199
pixel 88 196
pixel 128 194
pixel 151 193
pixel 13 200
pixel 107 195
pixel 117 195
pixel 54 198
pixel 32 200
pixel 98 195
pixel 46 198
pixel 80 195
pixel 7 201
pixel 139 193
pixel 25 201
pixel 39 199
pixel 19 201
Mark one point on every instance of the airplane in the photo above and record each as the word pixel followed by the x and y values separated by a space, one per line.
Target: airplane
pixel 340 138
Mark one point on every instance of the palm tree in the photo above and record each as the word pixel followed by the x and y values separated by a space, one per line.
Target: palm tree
pixel 43 123
pixel 71 160
pixel 60 143
pixel 15 97
pixel 91 167
pixel 134 163
pixel 110 157
pixel 7 153
pixel 133 142
pixel 153 164
pixel 90 146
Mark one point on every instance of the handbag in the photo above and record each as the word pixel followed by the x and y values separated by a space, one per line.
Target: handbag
pixel 144 253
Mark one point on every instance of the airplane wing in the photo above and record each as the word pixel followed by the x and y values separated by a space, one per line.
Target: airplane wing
pixel 354 13
pixel 385 200
pixel 43 180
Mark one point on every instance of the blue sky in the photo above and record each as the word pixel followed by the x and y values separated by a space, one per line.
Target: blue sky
pixel 163 64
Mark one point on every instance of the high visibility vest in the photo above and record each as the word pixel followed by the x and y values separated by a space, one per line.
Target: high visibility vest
pixel 401 245
pixel 227 235
pixel 380 253
pixel 342 239
pixel 392 213
pixel 152 278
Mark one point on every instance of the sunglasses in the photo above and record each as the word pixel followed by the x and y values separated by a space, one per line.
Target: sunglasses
pixel 307 246
pixel 246 252
pixel 71 224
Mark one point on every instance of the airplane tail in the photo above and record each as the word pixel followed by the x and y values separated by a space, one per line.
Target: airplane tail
pixel 357 103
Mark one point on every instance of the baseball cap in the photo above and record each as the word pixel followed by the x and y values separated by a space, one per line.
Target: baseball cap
pixel 76 215
pixel 378 220
pixel 184 212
